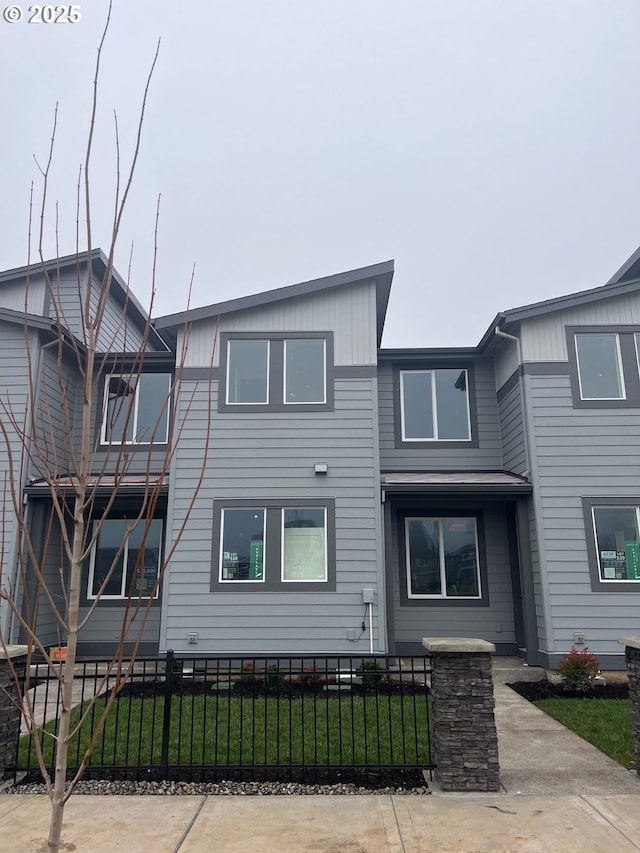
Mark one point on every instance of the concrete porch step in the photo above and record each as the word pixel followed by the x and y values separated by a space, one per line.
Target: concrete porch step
pixel 507 670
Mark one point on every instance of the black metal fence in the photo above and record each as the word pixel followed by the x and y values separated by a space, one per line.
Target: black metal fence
pixel 210 718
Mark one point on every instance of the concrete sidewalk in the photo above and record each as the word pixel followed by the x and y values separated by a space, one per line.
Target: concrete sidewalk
pixel 561 795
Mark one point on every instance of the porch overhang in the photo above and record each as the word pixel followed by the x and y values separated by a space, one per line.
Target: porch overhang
pixel 128 484
pixel 455 483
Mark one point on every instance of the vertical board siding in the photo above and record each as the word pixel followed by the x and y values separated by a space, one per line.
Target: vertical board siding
pixel 487 455
pixel 350 312
pixel 581 453
pixel 12 295
pixel 57 417
pixel 543 338
pixel 493 623
pixel 272 456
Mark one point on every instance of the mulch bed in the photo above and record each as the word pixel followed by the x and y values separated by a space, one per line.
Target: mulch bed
pixel 534 690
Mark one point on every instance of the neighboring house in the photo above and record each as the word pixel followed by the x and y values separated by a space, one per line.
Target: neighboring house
pixel 356 499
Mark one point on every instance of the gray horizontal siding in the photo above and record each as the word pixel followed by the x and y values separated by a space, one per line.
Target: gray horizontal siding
pixel 487 455
pixel 514 455
pixel 271 456
pixel 494 623
pixel 580 453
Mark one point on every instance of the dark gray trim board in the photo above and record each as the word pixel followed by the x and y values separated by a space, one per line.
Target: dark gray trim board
pixel 91 651
pixel 273 537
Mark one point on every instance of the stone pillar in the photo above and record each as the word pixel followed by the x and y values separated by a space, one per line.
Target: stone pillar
pixel 9 709
pixel 464 728
pixel 632 657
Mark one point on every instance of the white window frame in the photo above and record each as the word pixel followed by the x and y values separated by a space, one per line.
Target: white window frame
pixel 91 596
pixel 434 405
pixel 243 581
pixel 594 507
pixel 325 578
pixel 324 372
pixel 268 371
pixel 155 438
pixel 616 335
pixel 442 596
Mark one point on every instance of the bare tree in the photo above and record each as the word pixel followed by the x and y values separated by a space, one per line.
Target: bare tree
pixel 82 469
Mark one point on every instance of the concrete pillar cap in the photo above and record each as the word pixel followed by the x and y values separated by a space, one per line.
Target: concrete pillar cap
pixel 634 642
pixel 13 652
pixel 458 644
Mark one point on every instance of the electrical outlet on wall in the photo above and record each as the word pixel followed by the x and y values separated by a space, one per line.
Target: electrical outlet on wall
pixel 578 638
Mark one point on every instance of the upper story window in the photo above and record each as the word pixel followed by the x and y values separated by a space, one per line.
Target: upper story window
pixel 434 405
pixel 136 408
pixel 279 372
pixel 604 364
pixel 599 367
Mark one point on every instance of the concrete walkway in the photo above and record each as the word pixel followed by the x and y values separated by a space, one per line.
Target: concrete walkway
pixel 561 795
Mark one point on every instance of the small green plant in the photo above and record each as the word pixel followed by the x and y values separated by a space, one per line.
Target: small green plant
pixel 273 680
pixel 578 669
pixel 372 674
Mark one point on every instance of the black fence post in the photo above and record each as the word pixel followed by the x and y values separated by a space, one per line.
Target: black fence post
pixel 166 717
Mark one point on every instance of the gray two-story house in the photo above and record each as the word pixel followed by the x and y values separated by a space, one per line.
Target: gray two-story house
pixel 326 495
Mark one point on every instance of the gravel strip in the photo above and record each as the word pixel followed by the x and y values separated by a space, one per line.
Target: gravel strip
pixel 225 788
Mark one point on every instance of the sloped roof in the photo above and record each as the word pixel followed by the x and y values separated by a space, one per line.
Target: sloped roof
pixel 381 274
pixel 455 481
pixel 626 280
pixel 99 262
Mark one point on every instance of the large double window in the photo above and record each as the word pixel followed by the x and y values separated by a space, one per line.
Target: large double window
pixel 125 559
pixel 605 365
pixel 136 408
pixel 282 372
pixel 613 537
pixel 434 405
pixel 274 545
pixel 278 372
pixel 442 559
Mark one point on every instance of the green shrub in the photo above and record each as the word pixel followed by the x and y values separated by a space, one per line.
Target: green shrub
pixel 273 680
pixel 372 674
pixel 578 669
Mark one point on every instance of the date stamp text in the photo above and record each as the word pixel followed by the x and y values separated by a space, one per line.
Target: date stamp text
pixel 42 14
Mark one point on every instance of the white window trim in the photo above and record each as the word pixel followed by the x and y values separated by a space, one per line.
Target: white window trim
pixel 324 373
pixel 326 545
pixel 434 406
pixel 268 371
pixel 441 556
pixel 244 581
pixel 601 577
pixel 133 420
pixel 623 390
pixel 91 596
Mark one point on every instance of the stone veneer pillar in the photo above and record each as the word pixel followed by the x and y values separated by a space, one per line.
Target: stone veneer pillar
pixel 464 728
pixel 9 709
pixel 632 657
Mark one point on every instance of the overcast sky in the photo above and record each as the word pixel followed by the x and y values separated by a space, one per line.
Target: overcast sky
pixel 491 147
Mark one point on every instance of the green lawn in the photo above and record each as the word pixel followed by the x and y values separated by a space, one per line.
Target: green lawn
pixel 384 730
pixel 606 723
